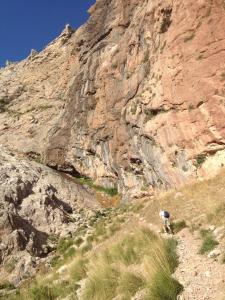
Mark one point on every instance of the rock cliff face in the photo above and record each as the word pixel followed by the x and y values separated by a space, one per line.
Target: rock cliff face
pixel 134 98
pixel 36 204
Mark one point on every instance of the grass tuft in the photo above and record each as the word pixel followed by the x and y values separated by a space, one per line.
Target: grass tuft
pixel 109 191
pixel 6 285
pixel 178 226
pixel 209 242
pixel 64 244
pixel 130 284
pixel 101 283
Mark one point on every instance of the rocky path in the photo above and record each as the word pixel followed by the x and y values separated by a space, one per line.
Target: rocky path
pixel 203 278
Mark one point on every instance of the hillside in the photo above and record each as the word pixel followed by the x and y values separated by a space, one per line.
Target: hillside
pixel 99 131
pixel 126 240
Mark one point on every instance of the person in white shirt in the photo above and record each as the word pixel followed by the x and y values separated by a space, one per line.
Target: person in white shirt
pixel 166 221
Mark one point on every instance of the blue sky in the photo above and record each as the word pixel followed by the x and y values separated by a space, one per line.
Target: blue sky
pixel 32 24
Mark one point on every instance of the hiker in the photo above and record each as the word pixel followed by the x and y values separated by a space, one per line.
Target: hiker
pixel 166 221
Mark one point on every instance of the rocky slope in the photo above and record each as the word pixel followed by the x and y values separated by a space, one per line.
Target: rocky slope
pixel 134 98
pixel 36 204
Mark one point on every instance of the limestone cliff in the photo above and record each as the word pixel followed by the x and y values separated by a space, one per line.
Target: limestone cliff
pixel 134 98
pixel 36 204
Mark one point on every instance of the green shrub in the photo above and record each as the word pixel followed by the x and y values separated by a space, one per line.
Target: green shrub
pixel 6 285
pixel 87 181
pixel 163 287
pixel 42 292
pixel 55 261
pixel 208 243
pixel 200 159
pixel 64 244
pixel 178 226
pixel 171 254
pixel 69 253
pixel 3 105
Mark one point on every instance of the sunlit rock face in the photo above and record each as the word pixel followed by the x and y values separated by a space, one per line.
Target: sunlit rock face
pixel 133 99
pixel 36 203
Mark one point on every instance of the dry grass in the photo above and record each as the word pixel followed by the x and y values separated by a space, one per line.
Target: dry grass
pixel 193 202
pixel 107 201
pixel 113 273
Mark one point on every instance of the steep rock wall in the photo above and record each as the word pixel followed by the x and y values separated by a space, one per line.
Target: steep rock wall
pixel 142 93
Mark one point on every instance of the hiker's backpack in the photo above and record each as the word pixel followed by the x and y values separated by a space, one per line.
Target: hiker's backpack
pixel 166 214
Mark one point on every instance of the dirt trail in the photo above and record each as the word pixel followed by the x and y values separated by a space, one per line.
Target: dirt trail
pixel 203 278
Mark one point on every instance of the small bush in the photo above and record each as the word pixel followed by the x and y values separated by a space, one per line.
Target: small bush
pixel 178 226
pixel 3 104
pixel 200 159
pixel 55 261
pixel 171 254
pixel 64 244
pixel 209 242
pixel 6 285
pixel 69 253
pixel 42 292
pixel 87 181
pixel 164 287
pixel 163 261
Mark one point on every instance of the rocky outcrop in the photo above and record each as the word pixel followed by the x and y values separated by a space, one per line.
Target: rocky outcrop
pixel 36 203
pixel 134 98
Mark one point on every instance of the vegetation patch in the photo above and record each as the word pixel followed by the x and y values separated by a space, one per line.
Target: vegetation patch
pixel 6 285
pixel 217 215
pixel 3 105
pixel 10 265
pixel 64 244
pixel 102 283
pixel 87 181
pixel 166 21
pixel 178 226
pixel 209 242
pixel 129 284
pixel 111 272
pixel 200 159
